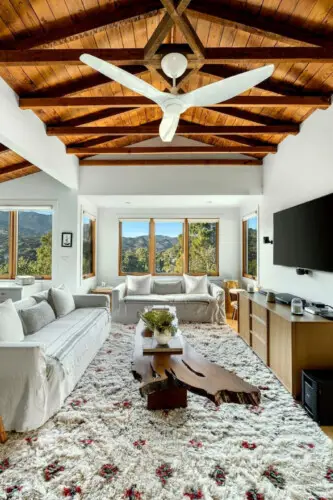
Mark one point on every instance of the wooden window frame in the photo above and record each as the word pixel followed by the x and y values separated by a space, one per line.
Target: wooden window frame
pixel 13 249
pixel 151 249
pixel 244 245
pixel 92 218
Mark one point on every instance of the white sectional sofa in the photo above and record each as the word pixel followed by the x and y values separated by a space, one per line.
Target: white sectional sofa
pixel 37 374
pixel 202 308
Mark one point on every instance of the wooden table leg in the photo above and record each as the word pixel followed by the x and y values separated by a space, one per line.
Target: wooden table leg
pixel 3 435
pixel 169 399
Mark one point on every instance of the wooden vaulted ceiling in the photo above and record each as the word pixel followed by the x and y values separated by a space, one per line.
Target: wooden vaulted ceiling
pixel 41 40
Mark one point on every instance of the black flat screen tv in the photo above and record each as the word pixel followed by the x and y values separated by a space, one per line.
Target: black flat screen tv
pixel 303 235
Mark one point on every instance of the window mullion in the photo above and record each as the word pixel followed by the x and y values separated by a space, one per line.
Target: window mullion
pixel 186 247
pixel 12 244
pixel 152 246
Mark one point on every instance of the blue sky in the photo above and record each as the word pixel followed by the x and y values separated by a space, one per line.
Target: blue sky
pixel 252 223
pixel 131 229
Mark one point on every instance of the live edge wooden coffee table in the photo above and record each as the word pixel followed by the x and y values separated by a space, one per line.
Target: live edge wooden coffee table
pixel 166 378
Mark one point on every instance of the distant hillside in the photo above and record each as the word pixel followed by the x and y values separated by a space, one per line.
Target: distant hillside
pixel 162 242
pixel 30 223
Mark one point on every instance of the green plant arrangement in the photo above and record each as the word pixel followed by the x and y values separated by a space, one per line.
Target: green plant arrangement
pixel 159 321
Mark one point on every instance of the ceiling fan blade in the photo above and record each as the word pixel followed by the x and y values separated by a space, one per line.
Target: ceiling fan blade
pixel 132 82
pixel 226 89
pixel 168 127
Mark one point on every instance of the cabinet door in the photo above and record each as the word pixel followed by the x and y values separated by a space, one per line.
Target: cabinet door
pixel 280 349
pixel 244 317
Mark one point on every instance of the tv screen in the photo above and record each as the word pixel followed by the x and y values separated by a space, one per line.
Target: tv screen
pixel 303 235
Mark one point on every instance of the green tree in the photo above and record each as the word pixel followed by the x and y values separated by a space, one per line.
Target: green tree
pixel 202 247
pixel 42 264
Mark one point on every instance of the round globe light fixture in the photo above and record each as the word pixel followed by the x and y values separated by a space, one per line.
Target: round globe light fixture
pixel 174 65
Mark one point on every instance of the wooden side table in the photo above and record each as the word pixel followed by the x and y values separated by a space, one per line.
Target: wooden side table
pixel 3 435
pixel 107 290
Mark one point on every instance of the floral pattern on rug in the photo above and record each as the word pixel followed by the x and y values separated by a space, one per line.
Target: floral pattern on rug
pixel 106 443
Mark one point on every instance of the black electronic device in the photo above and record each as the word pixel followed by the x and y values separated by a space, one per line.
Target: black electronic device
pixel 286 298
pixel 326 315
pixel 317 389
pixel 303 236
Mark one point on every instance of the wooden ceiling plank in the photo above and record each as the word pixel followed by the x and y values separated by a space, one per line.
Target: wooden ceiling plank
pixel 270 85
pixel 15 168
pixel 152 130
pixel 94 19
pixel 243 114
pixel 170 150
pixel 92 117
pixel 138 102
pixel 156 163
pixel 245 20
pixel 3 149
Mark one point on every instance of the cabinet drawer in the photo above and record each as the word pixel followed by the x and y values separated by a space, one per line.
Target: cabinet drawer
pixel 259 311
pixel 259 347
pixel 4 296
pixel 259 328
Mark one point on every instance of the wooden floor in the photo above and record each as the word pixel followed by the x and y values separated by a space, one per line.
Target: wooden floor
pixel 327 429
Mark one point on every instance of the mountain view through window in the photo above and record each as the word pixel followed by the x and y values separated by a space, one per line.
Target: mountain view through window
pixel 167 246
pixel 32 233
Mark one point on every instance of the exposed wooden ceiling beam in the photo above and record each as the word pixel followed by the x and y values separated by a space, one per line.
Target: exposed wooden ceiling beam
pixel 271 84
pixel 132 57
pixel 185 27
pixel 93 20
pixel 171 150
pixel 245 20
pixel 152 130
pixel 15 168
pixel 3 149
pixel 161 163
pixel 137 102
pixel 92 117
pixel 162 30
pixel 73 87
pixel 243 114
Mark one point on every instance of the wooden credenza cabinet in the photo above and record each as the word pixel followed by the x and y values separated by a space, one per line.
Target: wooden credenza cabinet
pixel 285 342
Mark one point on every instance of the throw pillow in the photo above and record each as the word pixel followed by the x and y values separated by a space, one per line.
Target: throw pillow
pixel 11 329
pixel 36 317
pixel 138 285
pixel 61 300
pixel 167 287
pixel 40 296
pixel 196 284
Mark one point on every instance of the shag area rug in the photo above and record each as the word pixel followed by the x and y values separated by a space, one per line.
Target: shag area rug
pixel 104 444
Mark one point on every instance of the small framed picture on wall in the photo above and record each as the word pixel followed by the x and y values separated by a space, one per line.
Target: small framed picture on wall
pixel 67 240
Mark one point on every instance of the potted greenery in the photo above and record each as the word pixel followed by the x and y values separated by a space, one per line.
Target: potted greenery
pixel 161 323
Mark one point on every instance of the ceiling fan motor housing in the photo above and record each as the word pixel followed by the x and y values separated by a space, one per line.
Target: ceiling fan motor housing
pixel 174 65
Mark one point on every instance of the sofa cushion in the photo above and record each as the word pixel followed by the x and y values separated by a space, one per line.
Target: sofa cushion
pixel 169 299
pixel 11 329
pixel 167 287
pixel 196 284
pixel 36 317
pixel 138 285
pixel 67 338
pixel 40 296
pixel 61 301
pixel 20 305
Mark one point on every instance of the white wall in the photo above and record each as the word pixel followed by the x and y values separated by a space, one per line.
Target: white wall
pixel 41 189
pixel 24 133
pixel 184 180
pixel 108 238
pixel 301 170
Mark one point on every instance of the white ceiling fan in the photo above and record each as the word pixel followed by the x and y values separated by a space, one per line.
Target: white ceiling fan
pixel 173 105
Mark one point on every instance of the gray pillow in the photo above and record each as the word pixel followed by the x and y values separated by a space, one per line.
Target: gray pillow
pixel 36 317
pixel 61 300
pixel 167 287
pixel 40 296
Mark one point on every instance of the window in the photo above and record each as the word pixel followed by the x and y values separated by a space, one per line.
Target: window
pixel 168 247
pixel 26 243
pixel 250 246
pixel 134 246
pixel 169 244
pixel 88 246
pixel 202 247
